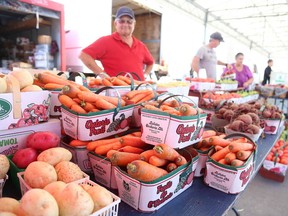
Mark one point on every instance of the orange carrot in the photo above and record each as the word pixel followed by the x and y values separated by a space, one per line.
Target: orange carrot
pixel 77 100
pixel 125 79
pixel 52 86
pixel 242 139
pixel 132 149
pixel 96 82
pixel 230 157
pixel 173 112
pixel 123 158
pixel 165 152
pixel 87 96
pixel 134 141
pixel 94 144
pixel 220 154
pixel 243 155
pixel 78 143
pixel 187 110
pixel 38 83
pixel 151 107
pixel 66 101
pixel 218 148
pixel 131 94
pixel 166 107
pixel 215 140
pixel 82 88
pixel 110 153
pixel 222 161
pixel 47 77
pixel 208 133
pixel 156 161
pixel 88 107
pixel 180 160
pixel 106 82
pixel 113 100
pixel 118 82
pixel 137 134
pixel 94 110
pixel 238 146
pixel 103 149
pixel 138 97
pixel 144 171
pixel 171 166
pixel 104 104
pixel 78 109
pixel 147 98
pixel 71 91
pixel 237 162
pixel 147 154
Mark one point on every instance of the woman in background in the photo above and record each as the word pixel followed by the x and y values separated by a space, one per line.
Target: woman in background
pixel 244 75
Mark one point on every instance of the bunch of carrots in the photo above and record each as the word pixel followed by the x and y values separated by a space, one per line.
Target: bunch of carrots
pixel 279 152
pixel 173 107
pixel 209 138
pixel 138 96
pixel 113 81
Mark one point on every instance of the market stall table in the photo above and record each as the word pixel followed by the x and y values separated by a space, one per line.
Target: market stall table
pixel 200 199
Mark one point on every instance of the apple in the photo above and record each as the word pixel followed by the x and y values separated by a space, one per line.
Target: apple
pixel 23 157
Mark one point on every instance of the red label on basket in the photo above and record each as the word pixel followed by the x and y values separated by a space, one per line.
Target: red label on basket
pixel 164 195
pixel 184 132
pixel 245 175
pixel 97 127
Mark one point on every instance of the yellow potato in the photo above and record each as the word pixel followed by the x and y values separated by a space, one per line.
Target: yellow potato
pixel 68 172
pixel 55 189
pixel 101 197
pixel 4 166
pixel 8 204
pixel 55 155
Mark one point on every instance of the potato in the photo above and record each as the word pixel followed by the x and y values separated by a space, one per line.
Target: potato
pixel 7 214
pixel 37 202
pixel 86 187
pixel 42 140
pixel 4 166
pixel 8 204
pixel 100 196
pixel 75 201
pixel 68 172
pixel 39 174
pixel 55 189
pixel 55 155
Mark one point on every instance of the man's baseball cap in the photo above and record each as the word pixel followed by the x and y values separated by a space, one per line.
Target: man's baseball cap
pixel 125 11
pixel 217 36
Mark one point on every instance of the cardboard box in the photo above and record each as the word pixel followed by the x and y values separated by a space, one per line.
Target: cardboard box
pixel 148 197
pixel 202 86
pixel 26 109
pixel 97 125
pixel 229 179
pixel 14 139
pixel 79 155
pixel 275 176
pixel 103 170
pixel 175 131
pixel 201 165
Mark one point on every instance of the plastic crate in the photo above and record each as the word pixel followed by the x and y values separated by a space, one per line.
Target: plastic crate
pixel 2 182
pixel 25 187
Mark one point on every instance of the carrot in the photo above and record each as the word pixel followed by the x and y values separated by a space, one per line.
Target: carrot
pixel 222 161
pixel 242 139
pixel 125 79
pixel 95 82
pixel 104 104
pixel 66 101
pixel 132 149
pixel 123 158
pixel 78 109
pixel 71 91
pixel 134 141
pixel 180 160
pixel 110 153
pixel 82 88
pixel 94 110
pixel 38 83
pixel 173 112
pixel 118 82
pixel 237 162
pixel 88 96
pixel 87 106
pixel 103 149
pixel 113 100
pixel 220 154
pixel 166 107
pixel 138 97
pixel 187 110
pixel 47 77
pixel 77 100
pixel 137 134
pixel 156 161
pixel 94 144
pixel 106 82
pixel 52 86
pixel 218 148
pixel 238 146
pixel 208 133
pixel 147 98
pixel 243 155
pixel 151 107
pixel 171 166
pixel 131 94
pixel 165 152
pixel 215 140
pixel 78 143
pixel 144 171
pixel 230 157
pixel 147 154
pixel 198 145
pixel 205 142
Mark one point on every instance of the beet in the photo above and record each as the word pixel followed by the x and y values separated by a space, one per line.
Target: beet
pixel 255 118
pixel 245 118
pixel 228 115
pixel 236 125
pixel 253 129
pixel 266 113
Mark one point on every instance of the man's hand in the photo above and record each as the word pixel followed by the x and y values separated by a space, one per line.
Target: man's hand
pixel 245 85
pixel 229 66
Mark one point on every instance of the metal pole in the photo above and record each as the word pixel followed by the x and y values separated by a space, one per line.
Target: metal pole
pixel 205 25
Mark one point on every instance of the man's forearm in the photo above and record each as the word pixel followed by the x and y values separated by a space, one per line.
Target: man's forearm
pixel 89 62
pixel 148 69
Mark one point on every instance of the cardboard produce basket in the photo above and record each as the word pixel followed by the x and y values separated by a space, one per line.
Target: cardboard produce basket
pixel 79 155
pixel 151 196
pixel 253 137
pixel 97 125
pixel 229 179
pixel 175 131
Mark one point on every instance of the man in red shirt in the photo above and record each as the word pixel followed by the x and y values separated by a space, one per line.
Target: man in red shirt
pixel 120 51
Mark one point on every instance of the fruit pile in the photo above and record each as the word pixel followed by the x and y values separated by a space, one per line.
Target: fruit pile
pixel 225 96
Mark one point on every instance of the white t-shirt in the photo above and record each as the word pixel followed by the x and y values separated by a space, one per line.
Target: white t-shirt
pixel 208 61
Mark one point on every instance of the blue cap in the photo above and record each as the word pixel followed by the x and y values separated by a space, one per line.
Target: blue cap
pixel 217 36
pixel 125 11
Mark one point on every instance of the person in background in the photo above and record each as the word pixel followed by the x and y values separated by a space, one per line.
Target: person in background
pixel 244 75
pixel 120 51
pixel 206 57
pixel 267 72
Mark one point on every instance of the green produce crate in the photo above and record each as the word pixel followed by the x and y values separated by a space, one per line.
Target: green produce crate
pixel 13 173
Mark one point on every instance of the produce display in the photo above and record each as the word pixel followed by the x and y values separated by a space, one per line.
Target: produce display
pixel 225 96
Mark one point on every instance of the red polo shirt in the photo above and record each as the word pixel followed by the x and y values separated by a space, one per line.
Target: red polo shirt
pixel 116 56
